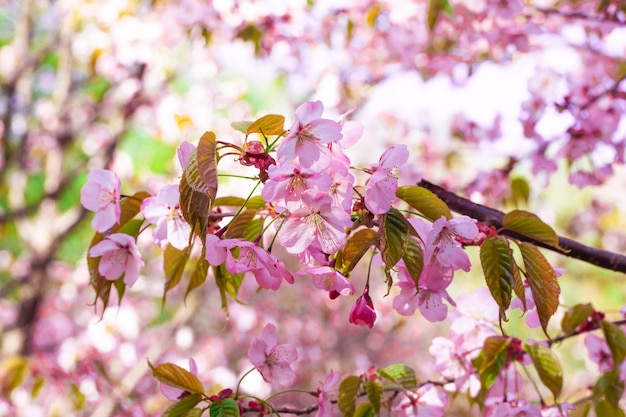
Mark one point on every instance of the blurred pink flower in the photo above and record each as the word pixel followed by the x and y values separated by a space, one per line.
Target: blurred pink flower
pixel 308 136
pixel 175 394
pixel 363 313
pixel 119 256
pixel 380 189
pixel 428 401
pixel 599 352
pixel 101 194
pixel 271 360
pixel 324 405
pixel 164 211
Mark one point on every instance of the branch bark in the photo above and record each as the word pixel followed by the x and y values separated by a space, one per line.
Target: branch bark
pixel 493 217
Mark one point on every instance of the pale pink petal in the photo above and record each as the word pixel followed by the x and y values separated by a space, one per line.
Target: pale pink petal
pixel 184 152
pixel 296 235
pixel 309 111
pixel 268 335
pixel 464 226
pixel 90 196
pixel 131 274
pixel 178 231
pixel 256 352
pixel 113 264
pixel 170 195
pixel 284 353
pixel 326 130
pixel 102 247
pixel 395 156
pixel 153 209
pixel 431 306
pixel 283 374
pixel 215 254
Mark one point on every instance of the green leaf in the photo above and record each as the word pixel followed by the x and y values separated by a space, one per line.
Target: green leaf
pixel 228 284
pixel 238 226
pixel 491 360
pixel 271 124
pixel 348 390
pixel 241 126
pixel 542 281
pixel 520 190
pixel 194 412
pixel 181 407
pixel 531 226
pixel 177 377
pixel 435 8
pixel 574 317
pixel 374 391
pixel 401 374
pixel 13 369
pixel 548 367
pixel 609 388
pixel 394 237
pixel 206 155
pixel 225 408
pixel 424 201
pixel 413 259
pixel 616 339
pixel 198 276
pixel 195 207
pixel 174 261
pixel 605 409
pixel 500 269
pixel 132 227
pixel 356 247
pixel 365 409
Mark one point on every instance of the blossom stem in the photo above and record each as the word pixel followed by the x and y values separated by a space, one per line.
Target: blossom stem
pixel 237 176
pixel 241 379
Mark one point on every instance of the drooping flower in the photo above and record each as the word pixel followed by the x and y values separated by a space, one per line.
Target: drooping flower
pixel 318 221
pixel 324 404
pixel 119 256
pixel 101 194
pixel 308 136
pixel 164 211
pixel 363 313
pixel 268 271
pixel 173 393
pixel 271 360
pixel 329 279
pixel 381 187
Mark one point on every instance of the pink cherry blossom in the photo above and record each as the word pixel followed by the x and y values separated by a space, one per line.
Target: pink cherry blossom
pixel 599 352
pixel 120 256
pixel 442 243
pixel 363 313
pixel 318 221
pixel 382 185
pixel 329 279
pixel 288 181
pixel 173 393
pixel 184 153
pixel 268 271
pixel 308 136
pixel 325 407
pixel 561 410
pixel 164 211
pixel 428 401
pixel 271 360
pixel 102 195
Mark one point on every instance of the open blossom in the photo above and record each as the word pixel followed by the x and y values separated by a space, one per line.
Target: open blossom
pixel 442 243
pixel 381 187
pixel 268 271
pixel 329 279
pixel 363 313
pixel 288 181
pixel 173 393
pixel 599 352
pixel 102 195
pixel 308 136
pixel 318 221
pixel 164 211
pixel 271 360
pixel 324 404
pixel 119 256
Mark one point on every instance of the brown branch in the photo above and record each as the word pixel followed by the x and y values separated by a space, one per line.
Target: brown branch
pixel 493 217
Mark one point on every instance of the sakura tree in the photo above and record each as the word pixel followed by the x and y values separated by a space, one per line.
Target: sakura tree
pixel 339 240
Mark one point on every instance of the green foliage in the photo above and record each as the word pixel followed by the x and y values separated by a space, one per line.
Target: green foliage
pixel 424 201
pixel 271 124
pixel 198 276
pixel 225 408
pixel 148 155
pixel 491 360
pixel 616 339
pixel 174 261
pixel 374 391
pixel 181 408
pixel 348 390
pixel 413 259
pixel 175 376
pixel 435 7
pixel 548 367
pixel 500 269
pixel 574 317
pixel 606 394
pixel 365 409
pixel 13 369
pixel 394 237
pixel 520 191
pixel 227 283
pixel 400 374
pixel 239 225
pixel 358 244
pixel 542 281
pixel 528 224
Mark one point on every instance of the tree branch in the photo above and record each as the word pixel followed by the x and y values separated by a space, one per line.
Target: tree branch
pixel 493 217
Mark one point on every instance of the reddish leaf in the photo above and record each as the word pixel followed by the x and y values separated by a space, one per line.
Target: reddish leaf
pixel 271 124
pixel 177 377
pixel 355 248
